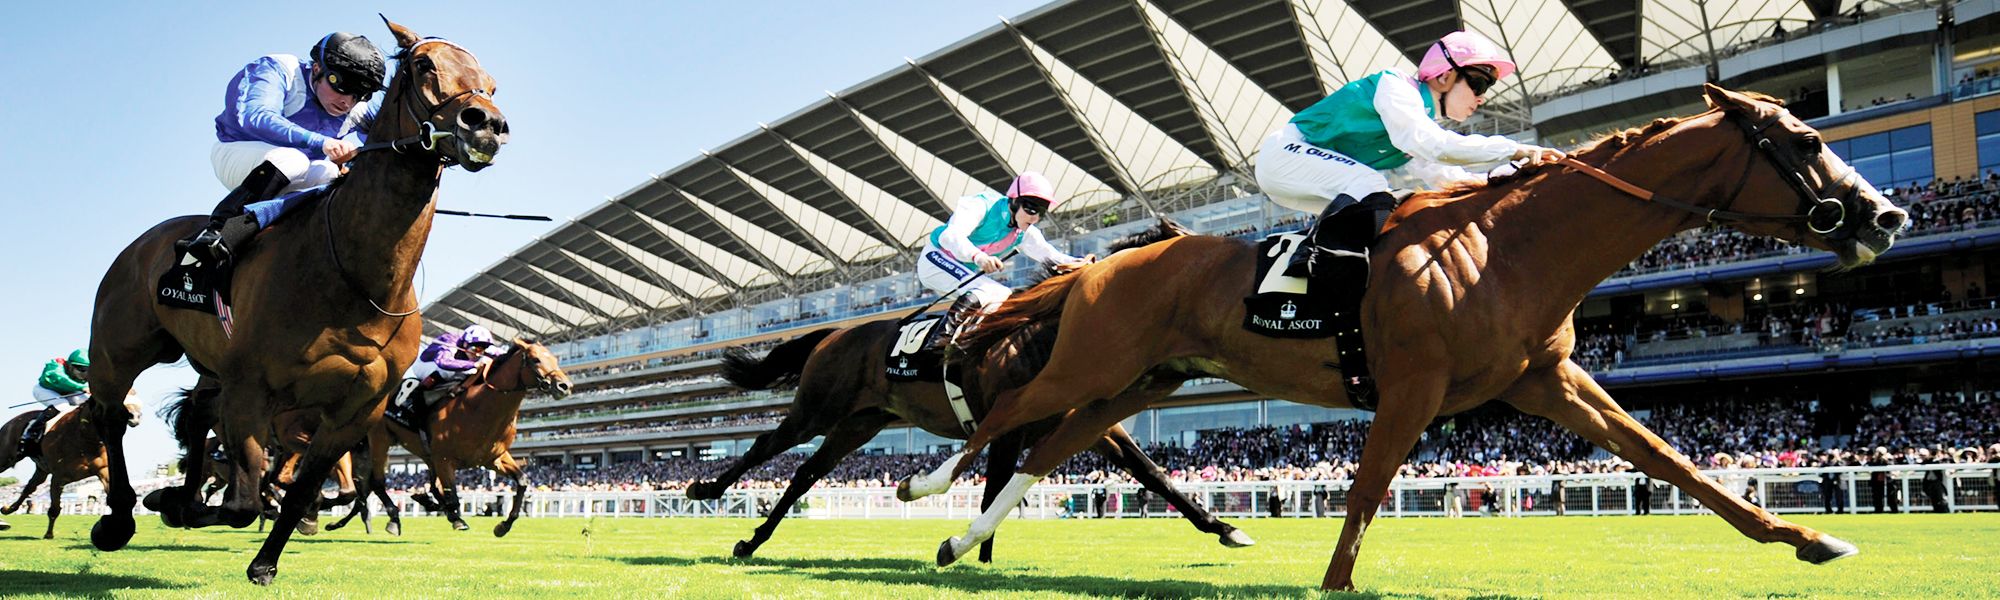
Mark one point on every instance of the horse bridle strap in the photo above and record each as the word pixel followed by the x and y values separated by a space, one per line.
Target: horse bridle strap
pixel 1812 205
pixel 428 135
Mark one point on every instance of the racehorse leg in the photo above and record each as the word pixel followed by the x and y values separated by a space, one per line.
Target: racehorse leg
pixel 343 474
pixel 1119 446
pixel 851 434
pixel 108 413
pixel 379 443
pixel 1059 388
pixel 1568 395
pixel 505 465
pixel 55 505
pixel 797 428
pixel 240 429
pixel 447 481
pixel 1077 431
pixel 1408 404
pixel 34 481
pixel 333 438
pixel 1002 458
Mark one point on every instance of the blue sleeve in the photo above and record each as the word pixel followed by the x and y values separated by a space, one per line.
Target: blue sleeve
pixel 260 109
pixel 367 121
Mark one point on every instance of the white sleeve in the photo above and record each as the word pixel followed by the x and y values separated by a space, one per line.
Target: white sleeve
pixel 1415 133
pixel 956 235
pixel 1037 247
pixel 1437 175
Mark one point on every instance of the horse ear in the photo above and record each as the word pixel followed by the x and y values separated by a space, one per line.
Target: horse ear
pixel 404 37
pixel 1726 100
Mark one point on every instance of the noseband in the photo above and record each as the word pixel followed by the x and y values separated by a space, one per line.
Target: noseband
pixel 1822 213
pixel 428 135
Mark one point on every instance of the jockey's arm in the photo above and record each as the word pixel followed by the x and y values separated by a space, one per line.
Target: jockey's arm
pixel 1037 247
pixel 956 237
pixel 261 109
pixel 1413 131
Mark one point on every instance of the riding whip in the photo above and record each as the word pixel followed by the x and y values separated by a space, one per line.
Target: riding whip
pixel 961 285
pixel 460 213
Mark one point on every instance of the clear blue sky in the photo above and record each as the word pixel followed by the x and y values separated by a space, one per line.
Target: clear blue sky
pixel 106 119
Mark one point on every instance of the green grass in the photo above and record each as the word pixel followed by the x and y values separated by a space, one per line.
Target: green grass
pixel 1903 556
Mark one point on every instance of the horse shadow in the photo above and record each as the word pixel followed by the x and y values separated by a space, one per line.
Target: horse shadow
pixel 901 571
pixel 73 585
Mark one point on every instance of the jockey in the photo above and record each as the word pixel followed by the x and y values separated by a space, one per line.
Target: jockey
pixel 983 227
pixel 61 386
pixel 287 124
pixel 1332 154
pixel 449 359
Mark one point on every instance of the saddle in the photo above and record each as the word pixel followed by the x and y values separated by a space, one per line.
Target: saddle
pixel 1328 302
pixel 918 354
pixel 193 285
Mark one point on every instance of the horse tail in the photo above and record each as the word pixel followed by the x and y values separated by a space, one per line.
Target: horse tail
pixel 189 412
pixel 1042 303
pixel 780 367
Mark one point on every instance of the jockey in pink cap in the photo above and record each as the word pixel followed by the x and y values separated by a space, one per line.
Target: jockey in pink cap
pixel 983 227
pixel 1332 154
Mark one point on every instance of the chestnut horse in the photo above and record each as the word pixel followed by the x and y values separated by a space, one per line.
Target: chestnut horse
pixel 845 395
pixel 1470 299
pixel 71 451
pixel 325 313
pixel 474 428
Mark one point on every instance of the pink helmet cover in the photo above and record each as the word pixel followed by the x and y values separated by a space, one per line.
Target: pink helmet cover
pixel 1467 49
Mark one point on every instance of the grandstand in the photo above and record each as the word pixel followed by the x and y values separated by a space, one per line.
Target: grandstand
pixel 1154 106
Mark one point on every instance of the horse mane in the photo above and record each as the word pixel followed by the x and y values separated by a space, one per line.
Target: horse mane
pixel 1162 230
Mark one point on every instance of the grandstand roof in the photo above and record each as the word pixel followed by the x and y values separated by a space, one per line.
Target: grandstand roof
pixel 1111 99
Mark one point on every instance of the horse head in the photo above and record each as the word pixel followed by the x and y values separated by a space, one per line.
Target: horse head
pixel 1796 190
pixel 538 369
pixel 443 98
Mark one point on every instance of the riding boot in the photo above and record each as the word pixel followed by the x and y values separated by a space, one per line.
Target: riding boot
pixel 31 438
pixel 1343 263
pixel 1318 236
pixel 228 227
pixel 964 312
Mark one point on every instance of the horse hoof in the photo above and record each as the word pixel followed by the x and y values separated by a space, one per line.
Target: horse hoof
pixel 111 532
pixel 154 500
pixel 1235 538
pixel 945 556
pixel 502 529
pixel 744 549
pixel 460 525
pixel 261 574
pixel 308 527
pixel 1826 550
pixel 394 528
pixel 336 525
pixel 903 492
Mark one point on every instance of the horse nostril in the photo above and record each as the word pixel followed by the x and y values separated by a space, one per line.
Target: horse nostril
pixel 1892 220
pixel 562 386
pixel 500 126
pixel 471 118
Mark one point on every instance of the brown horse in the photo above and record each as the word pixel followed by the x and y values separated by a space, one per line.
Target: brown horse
pixel 1470 299
pixel 474 428
pixel 71 451
pixel 325 313
pixel 844 394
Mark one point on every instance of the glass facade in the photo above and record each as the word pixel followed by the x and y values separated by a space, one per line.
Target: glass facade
pixel 1892 158
pixel 1986 126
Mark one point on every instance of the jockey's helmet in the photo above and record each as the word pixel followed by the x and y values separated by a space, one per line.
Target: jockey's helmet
pixel 475 335
pixel 1032 185
pixel 352 64
pixel 78 358
pixel 1460 50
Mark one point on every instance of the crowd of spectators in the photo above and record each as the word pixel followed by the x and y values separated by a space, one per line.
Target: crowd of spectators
pixel 1732 431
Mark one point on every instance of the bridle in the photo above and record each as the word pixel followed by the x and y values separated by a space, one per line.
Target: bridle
pixel 1820 211
pixel 427 136
pixel 531 364
pixel 425 140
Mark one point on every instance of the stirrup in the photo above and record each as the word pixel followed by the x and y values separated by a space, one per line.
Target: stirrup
pixel 205 246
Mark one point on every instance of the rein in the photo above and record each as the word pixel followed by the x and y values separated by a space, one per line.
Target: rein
pixel 426 140
pixel 1815 208
pixel 520 377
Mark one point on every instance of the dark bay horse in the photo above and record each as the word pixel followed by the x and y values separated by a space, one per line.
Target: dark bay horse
pixel 1470 299
pixel 71 451
pixel 471 429
pixel 325 313
pixel 844 394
